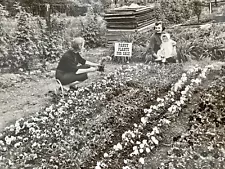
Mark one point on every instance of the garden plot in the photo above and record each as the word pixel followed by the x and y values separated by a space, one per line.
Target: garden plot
pixel 120 121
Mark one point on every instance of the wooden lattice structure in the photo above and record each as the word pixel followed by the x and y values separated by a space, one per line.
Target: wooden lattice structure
pixel 126 20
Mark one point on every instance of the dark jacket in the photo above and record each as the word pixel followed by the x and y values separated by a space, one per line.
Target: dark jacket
pixel 154 43
pixel 69 61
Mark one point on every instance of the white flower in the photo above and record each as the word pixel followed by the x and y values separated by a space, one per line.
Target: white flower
pixel 2 143
pixel 135 125
pixel 165 121
pixel 8 139
pixel 70 101
pixel 148 150
pixel 183 78
pixel 98 167
pixel 124 136
pixel 106 155
pixel 198 81
pixel 161 105
pixel 178 103
pixel 125 161
pixel 48 109
pixel 159 99
pixel 138 142
pixel 148 115
pixel 145 111
pixel 145 142
pixel 170 109
pixel 103 165
pixel 183 92
pixel 17 144
pixel 136 152
pixel 166 98
pixel 172 93
pixel 117 147
pixel 155 141
pixel 126 167
pixel 34 145
pixel 141 150
pixel 142 145
pixel 32 130
pixel 72 132
pixel 156 130
pixel 182 101
pixel 135 148
pixel 144 120
pixel 154 107
pixel 149 134
pixel 142 160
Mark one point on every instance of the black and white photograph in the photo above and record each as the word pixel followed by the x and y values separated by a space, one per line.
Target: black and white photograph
pixel 112 84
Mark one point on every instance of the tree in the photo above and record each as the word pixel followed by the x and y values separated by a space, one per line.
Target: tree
pixel 216 3
pixel 23 50
pixel 196 6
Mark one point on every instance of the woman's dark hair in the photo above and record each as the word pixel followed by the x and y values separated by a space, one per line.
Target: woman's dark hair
pixel 160 23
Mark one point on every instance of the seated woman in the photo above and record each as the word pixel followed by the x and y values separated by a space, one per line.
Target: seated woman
pixel 72 68
pixel 154 42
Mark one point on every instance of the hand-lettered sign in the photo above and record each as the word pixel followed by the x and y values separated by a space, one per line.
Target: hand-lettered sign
pixel 123 49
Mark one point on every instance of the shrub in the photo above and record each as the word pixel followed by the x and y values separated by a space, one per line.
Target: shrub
pixel 175 11
pixel 195 43
pixel 196 6
pixel 50 42
pixel 22 50
pixel 4 37
pixel 93 30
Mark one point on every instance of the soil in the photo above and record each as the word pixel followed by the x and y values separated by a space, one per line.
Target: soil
pixel 22 96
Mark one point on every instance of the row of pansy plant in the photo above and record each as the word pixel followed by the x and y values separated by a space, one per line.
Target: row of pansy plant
pixel 36 132
pixel 132 140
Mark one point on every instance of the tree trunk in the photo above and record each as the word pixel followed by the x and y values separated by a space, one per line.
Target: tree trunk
pixel 198 18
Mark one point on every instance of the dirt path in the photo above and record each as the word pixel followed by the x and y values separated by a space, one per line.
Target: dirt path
pixel 22 96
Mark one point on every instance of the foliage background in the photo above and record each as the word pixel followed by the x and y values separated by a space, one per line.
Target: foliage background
pixel 50 35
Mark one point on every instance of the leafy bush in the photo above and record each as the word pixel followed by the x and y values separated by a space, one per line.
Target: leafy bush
pixel 50 42
pixel 195 43
pixel 196 6
pixel 22 50
pixel 3 36
pixel 32 43
pixel 175 11
pixel 93 30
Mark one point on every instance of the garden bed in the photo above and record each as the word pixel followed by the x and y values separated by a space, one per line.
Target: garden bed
pixel 104 123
